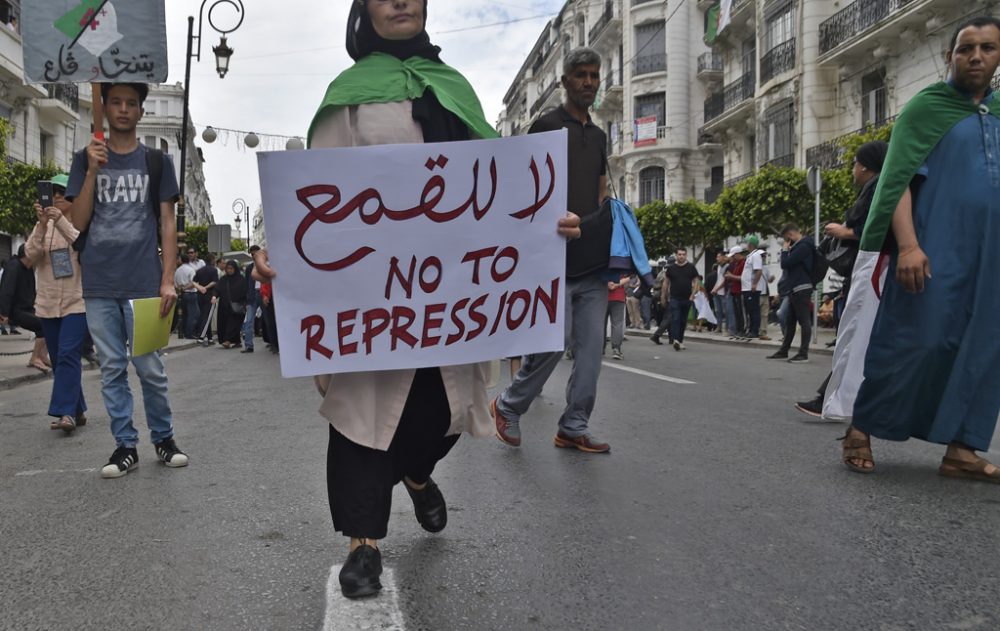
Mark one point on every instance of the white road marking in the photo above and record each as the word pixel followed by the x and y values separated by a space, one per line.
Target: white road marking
pixel 44 471
pixel 646 373
pixel 381 612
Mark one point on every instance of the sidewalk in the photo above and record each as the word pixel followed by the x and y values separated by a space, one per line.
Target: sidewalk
pixel 816 347
pixel 16 349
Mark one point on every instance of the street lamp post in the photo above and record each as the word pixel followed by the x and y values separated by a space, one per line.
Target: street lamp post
pixel 242 210
pixel 222 54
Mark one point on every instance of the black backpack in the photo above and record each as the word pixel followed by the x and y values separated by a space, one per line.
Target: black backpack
pixel 154 166
pixel 819 267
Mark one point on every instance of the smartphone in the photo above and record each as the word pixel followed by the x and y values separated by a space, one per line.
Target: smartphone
pixel 45 194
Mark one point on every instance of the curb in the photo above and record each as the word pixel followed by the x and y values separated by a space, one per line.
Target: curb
pixel 9 383
pixel 688 337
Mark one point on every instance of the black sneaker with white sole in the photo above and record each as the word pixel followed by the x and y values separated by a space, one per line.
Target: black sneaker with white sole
pixel 799 359
pixel 123 460
pixel 168 453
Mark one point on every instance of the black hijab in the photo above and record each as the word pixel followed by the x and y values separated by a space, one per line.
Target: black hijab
pixel 437 123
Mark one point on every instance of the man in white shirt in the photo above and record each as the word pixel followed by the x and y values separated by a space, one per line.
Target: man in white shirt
pixel 184 281
pixel 753 284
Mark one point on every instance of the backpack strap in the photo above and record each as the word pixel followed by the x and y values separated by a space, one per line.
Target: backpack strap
pixel 154 166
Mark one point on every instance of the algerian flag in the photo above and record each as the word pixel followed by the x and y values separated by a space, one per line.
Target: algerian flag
pixel 725 15
pixel 92 24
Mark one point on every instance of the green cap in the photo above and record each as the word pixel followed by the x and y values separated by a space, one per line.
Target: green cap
pixel 61 180
pixel 753 240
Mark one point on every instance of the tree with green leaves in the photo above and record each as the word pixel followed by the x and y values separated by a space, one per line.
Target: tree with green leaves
pixel 690 223
pixel 19 188
pixel 774 196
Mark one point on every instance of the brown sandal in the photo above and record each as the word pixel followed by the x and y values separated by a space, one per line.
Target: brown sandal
pixel 857 448
pixel 952 468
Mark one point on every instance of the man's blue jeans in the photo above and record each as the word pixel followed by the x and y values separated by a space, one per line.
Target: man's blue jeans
pixel 679 309
pixel 248 323
pixel 64 339
pixel 192 313
pixel 722 311
pixel 111 322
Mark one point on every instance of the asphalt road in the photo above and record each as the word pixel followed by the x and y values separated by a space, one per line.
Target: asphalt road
pixel 720 507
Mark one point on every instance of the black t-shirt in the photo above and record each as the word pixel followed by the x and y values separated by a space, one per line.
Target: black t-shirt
pixel 587 162
pixel 681 278
pixel 206 274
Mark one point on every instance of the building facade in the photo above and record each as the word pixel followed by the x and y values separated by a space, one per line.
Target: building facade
pixel 790 77
pixel 649 103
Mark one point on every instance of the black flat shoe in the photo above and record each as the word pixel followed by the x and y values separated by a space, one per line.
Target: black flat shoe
pixel 429 506
pixel 359 576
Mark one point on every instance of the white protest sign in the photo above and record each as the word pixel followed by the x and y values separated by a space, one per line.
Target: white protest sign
pixel 79 41
pixel 411 256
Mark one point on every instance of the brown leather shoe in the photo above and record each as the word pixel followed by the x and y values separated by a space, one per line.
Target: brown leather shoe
pixel 583 443
pixel 507 432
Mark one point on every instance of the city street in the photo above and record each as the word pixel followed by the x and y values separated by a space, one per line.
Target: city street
pixel 720 507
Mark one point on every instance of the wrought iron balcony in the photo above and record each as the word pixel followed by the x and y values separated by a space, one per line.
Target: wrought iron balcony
pixel 602 23
pixel 649 63
pixel 543 97
pixel 736 180
pixel 785 161
pixel 855 19
pixel 830 154
pixel 68 93
pixel 779 59
pixel 709 62
pixel 715 105
pixel 732 95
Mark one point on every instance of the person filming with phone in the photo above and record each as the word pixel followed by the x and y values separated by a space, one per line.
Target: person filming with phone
pixel 59 300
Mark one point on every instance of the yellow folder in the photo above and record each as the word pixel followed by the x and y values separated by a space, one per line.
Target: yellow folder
pixel 150 332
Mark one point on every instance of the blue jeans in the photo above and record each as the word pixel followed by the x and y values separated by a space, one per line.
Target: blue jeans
pixel 722 311
pixel 679 309
pixel 192 313
pixel 110 321
pixel 248 323
pixel 64 338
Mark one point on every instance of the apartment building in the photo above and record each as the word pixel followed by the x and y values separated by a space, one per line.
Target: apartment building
pixel 649 103
pixel 788 78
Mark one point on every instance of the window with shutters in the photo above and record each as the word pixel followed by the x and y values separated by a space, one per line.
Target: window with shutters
pixel 652 184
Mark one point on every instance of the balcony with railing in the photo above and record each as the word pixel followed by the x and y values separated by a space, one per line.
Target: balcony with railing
pixel 855 19
pixel 785 161
pixel 712 192
pixel 710 66
pixel 600 27
pixel 61 103
pixel 736 180
pixel 733 95
pixel 779 59
pixel 646 64
pixel 543 97
pixel 830 154
pixel 707 140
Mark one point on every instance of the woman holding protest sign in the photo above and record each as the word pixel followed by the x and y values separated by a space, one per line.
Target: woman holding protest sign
pixel 394 426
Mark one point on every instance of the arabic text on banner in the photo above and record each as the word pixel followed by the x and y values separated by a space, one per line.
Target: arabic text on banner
pixel 410 256
pixel 80 41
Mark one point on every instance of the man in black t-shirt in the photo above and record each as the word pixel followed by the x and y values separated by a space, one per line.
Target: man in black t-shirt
pixel 586 264
pixel 677 285
pixel 204 281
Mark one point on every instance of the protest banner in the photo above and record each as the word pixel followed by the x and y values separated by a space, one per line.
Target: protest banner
pixel 410 256
pixel 81 41
pixel 645 131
